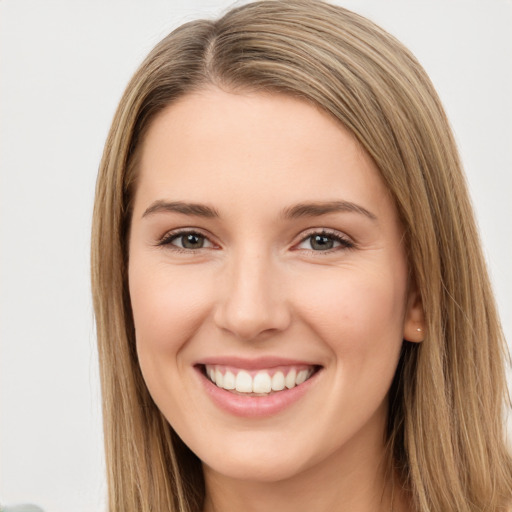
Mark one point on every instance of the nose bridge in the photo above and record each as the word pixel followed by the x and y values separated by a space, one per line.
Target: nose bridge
pixel 252 301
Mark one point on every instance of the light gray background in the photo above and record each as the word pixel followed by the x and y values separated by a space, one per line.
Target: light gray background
pixel 64 65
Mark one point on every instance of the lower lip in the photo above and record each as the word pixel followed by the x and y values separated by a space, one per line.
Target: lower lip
pixel 255 406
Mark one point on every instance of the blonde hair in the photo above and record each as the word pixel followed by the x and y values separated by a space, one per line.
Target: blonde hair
pixel 445 432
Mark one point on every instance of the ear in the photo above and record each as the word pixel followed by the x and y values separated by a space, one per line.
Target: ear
pixel 414 318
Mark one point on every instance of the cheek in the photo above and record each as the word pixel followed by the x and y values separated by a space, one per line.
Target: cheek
pixel 359 314
pixel 167 305
pixel 359 318
pixel 168 308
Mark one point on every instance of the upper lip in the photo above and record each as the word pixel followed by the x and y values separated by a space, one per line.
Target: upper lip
pixel 259 363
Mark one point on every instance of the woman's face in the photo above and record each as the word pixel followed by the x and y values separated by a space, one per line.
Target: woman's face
pixel 265 250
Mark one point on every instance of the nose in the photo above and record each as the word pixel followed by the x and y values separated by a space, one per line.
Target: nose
pixel 252 302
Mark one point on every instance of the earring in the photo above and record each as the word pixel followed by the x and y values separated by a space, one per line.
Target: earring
pixel 419 329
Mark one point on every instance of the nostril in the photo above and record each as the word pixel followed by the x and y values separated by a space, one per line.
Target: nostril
pixel 251 322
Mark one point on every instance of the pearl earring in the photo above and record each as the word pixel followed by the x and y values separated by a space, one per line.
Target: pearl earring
pixel 418 329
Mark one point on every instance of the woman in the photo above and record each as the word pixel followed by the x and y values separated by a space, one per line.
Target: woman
pixel 292 306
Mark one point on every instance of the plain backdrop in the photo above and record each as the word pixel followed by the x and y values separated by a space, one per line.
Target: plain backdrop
pixel 63 67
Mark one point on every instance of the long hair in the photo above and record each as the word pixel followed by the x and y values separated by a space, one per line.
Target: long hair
pixel 445 429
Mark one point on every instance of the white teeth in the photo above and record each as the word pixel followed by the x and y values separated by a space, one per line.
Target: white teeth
pixel 219 378
pixel 261 383
pixel 229 381
pixel 243 382
pixel 289 381
pixel 278 381
pixel 301 377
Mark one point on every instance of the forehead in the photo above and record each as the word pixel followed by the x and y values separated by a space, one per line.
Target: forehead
pixel 216 145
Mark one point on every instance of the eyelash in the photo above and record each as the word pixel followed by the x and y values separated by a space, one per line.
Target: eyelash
pixel 168 238
pixel 345 243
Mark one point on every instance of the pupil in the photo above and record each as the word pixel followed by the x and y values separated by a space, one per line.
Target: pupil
pixel 192 241
pixel 321 242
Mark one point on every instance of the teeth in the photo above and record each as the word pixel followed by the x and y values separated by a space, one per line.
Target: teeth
pixel 278 381
pixel 301 377
pixel 229 381
pixel 219 378
pixel 289 380
pixel 261 382
pixel 243 382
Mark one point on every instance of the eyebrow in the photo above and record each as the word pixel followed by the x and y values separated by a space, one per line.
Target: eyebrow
pixel 196 209
pixel 310 209
pixel 315 209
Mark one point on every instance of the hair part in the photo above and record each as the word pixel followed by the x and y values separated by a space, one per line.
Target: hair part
pixel 446 432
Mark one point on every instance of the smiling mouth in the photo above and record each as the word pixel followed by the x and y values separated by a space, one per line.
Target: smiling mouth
pixel 262 382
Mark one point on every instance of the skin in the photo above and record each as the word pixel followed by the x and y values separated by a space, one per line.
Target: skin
pixel 258 287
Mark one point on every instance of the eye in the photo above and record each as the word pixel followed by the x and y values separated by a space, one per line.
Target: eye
pixel 188 240
pixel 325 241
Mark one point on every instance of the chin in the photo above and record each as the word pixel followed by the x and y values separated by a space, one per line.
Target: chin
pixel 263 470
pixel 257 461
